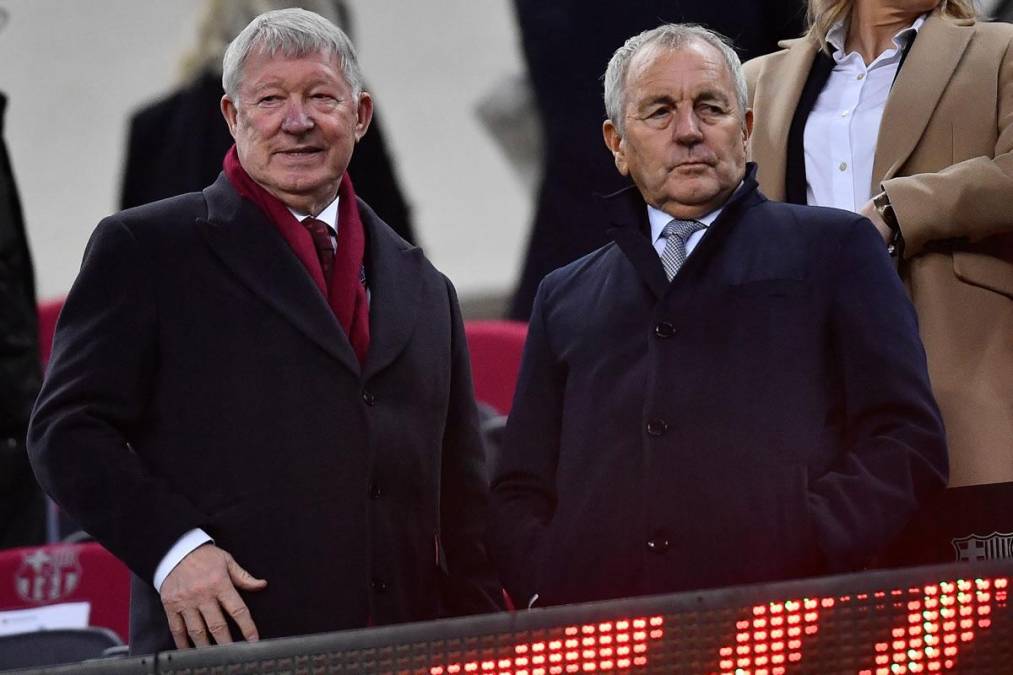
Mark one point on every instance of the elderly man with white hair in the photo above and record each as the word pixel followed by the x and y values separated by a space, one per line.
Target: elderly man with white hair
pixel 732 390
pixel 259 396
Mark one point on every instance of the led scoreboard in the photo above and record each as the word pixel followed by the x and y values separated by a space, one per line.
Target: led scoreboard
pixel 942 619
pixel 925 634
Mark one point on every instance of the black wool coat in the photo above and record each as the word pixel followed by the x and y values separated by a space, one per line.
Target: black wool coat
pixel 765 415
pixel 199 379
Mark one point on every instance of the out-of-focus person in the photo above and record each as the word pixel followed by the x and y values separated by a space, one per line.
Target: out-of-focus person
pixel 1000 10
pixel 22 506
pixel 732 391
pixel 567 45
pixel 176 144
pixel 259 396
pixel 902 110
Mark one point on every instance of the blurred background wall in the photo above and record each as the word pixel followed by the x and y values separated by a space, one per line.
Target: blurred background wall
pixel 74 71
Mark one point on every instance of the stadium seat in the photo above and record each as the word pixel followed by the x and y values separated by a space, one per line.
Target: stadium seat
pixel 33 577
pixel 48 312
pixel 52 647
pixel 496 348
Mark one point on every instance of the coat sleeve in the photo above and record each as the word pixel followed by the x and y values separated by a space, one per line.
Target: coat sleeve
pixel 969 199
pixel 93 400
pixel 524 474
pixel 751 69
pixel 471 585
pixel 895 445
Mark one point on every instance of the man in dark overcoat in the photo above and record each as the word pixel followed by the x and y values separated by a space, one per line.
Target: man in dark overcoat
pixel 566 45
pixel 733 390
pixel 259 396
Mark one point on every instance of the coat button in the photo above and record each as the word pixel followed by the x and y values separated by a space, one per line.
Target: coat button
pixel 375 491
pixel 656 427
pixel 368 398
pixel 664 329
pixel 659 543
pixel 378 585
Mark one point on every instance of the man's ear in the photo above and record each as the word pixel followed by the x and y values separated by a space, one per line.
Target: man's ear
pixel 363 115
pixel 615 144
pixel 229 112
pixel 747 126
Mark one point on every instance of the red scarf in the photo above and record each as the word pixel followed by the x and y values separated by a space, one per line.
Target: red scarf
pixel 345 291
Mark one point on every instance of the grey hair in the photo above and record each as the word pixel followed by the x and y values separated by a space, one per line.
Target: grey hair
pixel 293 33
pixel 673 36
pixel 223 20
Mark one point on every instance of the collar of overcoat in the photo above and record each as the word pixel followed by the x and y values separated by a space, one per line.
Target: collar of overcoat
pixel 251 247
pixel 916 92
pixel 630 230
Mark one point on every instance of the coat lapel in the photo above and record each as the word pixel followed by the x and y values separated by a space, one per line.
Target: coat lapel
pixel 628 215
pixel 916 93
pixel 393 267
pixel 777 101
pixel 251 247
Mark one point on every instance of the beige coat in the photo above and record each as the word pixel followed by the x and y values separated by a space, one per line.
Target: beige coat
pixel 945 157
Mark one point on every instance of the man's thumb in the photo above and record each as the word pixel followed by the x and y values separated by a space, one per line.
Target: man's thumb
pixel 243 579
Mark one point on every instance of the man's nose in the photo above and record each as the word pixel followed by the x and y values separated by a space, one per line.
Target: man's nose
pixel 297 119
pixel 687 127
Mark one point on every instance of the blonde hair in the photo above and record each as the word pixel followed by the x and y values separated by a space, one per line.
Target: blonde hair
pixel 822 14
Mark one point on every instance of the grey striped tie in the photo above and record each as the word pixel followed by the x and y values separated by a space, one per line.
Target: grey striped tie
pixel 677 233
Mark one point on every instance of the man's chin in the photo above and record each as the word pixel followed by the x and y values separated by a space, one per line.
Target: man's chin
pixel 304 195
pixel 694 192
pixel 692 203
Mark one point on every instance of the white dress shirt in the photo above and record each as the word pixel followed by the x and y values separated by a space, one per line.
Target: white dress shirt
pixel 843 127
pixel 198 537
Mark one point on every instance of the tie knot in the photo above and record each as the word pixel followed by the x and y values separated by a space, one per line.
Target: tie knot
pixel 682 228
pixel 316 227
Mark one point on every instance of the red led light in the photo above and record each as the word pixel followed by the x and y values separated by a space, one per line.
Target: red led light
pixel 754 644
pixel 592 652
pixel 916 647
pixel 939 619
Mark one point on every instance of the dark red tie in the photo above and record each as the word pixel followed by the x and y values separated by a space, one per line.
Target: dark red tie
pixel 322 242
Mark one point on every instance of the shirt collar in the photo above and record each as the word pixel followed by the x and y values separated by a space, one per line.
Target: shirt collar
pixel 837 35
pixel 659 218
pixel 329 216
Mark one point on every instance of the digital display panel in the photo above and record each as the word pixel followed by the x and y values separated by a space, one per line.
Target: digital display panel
pixel 944 619
pixel 919 629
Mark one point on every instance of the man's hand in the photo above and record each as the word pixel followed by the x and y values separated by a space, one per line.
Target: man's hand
pixel 198 589
pixel 870 212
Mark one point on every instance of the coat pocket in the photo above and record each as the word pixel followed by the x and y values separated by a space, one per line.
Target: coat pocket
pixel 984 270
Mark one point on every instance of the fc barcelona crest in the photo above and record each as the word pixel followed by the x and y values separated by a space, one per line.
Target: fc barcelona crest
pixel 47 575
pixel 975 547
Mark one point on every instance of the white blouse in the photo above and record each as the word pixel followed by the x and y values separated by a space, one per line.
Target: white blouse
pixel 843 127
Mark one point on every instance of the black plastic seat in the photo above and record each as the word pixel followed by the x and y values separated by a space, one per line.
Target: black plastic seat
pixel 52 647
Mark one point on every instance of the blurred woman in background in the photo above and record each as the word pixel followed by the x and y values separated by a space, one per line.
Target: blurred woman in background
pixel 902 110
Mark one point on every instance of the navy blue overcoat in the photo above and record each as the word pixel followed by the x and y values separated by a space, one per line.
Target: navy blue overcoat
pixel 765 415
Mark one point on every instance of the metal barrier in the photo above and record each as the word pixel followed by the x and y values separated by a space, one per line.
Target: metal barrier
pixel 941 619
